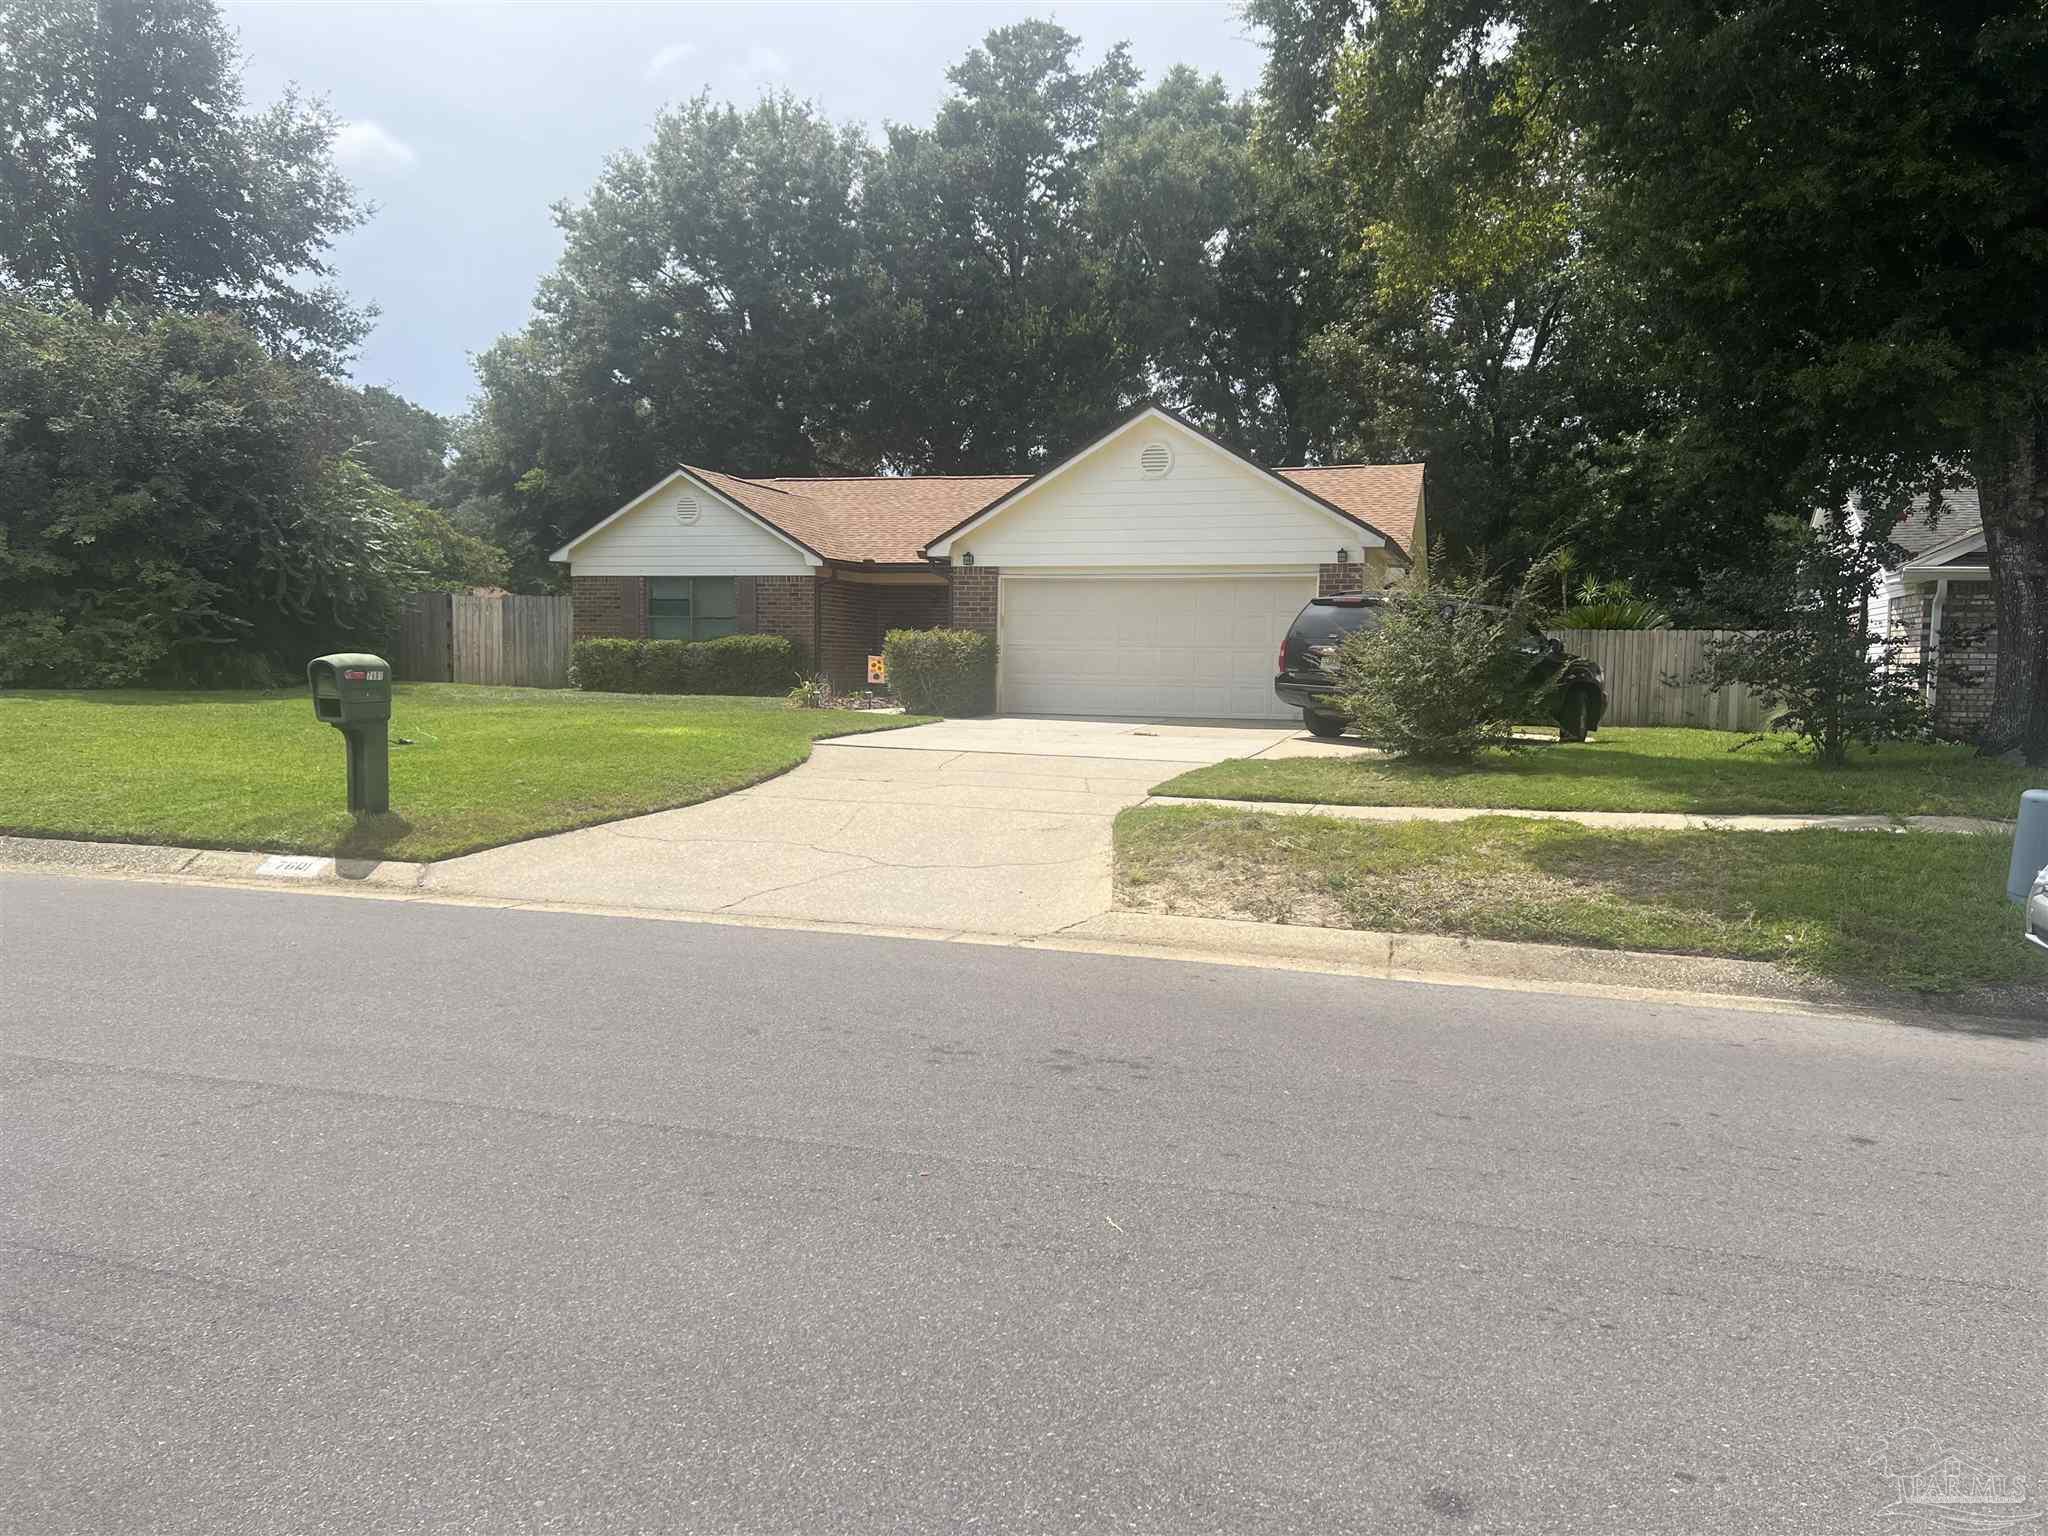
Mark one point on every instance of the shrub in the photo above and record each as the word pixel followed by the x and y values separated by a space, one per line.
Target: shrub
pixel 172 499
pixel 942 671
pixel 732 664
pixel 1447 671
pixel 1818 669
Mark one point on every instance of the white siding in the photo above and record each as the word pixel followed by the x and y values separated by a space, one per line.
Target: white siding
pixel 1208 510
pixel 650 541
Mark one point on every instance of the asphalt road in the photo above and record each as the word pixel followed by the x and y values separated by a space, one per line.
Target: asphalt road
pixel 332 1215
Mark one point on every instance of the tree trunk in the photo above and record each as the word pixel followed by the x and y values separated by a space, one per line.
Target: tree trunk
pixel 2010 462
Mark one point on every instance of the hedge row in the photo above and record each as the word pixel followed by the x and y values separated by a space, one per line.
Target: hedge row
pixel 758 664
pixel 942 671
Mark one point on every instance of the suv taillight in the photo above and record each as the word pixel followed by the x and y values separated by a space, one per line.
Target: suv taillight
pixel 1283 656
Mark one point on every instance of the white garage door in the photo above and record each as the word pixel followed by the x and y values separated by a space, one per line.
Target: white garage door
pixel 1178 647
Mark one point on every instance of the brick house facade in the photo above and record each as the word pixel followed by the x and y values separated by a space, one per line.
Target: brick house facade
pixel 835 620
pixel 1965 659
pixel 1154 569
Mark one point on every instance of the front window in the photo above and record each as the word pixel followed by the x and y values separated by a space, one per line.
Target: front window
pixel 692 607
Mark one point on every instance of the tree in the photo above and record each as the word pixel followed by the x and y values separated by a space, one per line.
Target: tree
pixel 697 314
pixel 1817 669
pixel 132 179
pixel 402 444
pixel 1840 210
pixel 170 510
pixel 998 350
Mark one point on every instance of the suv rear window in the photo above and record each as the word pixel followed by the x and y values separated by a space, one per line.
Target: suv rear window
pixel 1324 622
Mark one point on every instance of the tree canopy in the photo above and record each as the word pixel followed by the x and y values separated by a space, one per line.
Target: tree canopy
pixel 132 177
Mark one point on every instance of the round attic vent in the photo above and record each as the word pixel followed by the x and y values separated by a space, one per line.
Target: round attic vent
pixel 1155 459
pixel 687 509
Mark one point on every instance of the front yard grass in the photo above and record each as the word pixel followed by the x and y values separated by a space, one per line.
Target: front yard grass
pixel 1640 768
pixel 485 765
pixel 1917 910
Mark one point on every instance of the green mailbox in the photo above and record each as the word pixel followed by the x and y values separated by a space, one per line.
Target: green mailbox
pixel 352 693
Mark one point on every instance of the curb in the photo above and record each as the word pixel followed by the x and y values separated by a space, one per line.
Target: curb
pixel 1627 975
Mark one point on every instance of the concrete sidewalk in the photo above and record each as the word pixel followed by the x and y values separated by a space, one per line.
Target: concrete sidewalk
pixel 1653 821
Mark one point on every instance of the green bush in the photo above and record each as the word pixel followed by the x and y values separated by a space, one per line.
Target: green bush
pixel 1447 671
pixel 732 664
pixel 942 671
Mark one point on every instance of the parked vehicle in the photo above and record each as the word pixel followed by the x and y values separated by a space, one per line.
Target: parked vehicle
pixel 1577 699
pixel 1578 693
pixel 1305 680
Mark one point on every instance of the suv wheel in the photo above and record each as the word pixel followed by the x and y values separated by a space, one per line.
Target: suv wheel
pixel 1320 724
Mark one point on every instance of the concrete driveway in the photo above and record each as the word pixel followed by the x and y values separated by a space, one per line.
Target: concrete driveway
pixel 988 826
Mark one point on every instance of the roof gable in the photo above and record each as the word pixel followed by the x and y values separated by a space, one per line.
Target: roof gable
pixel 1155 424
pixel 722 523
pixel 904 520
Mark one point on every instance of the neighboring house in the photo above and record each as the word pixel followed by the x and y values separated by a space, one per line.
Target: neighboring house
pixel 1939 602
pixel 1152 573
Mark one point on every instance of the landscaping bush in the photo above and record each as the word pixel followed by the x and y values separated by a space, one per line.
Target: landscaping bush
pixel 942 671
pixel 1817 668
pixel 731 664
pixel 1446 671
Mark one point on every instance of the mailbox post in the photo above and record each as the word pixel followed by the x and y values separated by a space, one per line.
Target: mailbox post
pixel 352 693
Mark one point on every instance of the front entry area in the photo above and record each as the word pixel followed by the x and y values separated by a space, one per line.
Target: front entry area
pixel 1168 647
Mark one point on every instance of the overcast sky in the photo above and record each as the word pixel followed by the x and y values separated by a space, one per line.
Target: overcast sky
pixel 466 121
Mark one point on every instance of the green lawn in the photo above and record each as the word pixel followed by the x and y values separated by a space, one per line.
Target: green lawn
pixel 1640 768
pixel 1919 910
pixel 484 765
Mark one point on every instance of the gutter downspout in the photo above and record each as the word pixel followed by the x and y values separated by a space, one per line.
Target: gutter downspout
pixel 1934 621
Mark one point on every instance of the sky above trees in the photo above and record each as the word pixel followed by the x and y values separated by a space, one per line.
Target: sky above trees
pixel 465 123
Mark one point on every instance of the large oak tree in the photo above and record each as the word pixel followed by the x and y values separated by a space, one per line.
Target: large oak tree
pixel 132 178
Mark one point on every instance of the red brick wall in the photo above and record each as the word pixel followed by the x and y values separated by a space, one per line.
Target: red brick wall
pixel 848 632
pixel 1968 659
pixel 974 597
pixel 610 606
pixel 910 608
pixel 1367 575
pixel 788 606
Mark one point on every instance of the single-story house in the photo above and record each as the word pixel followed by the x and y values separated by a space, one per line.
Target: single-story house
pixel 1939 602
pixel 1152 573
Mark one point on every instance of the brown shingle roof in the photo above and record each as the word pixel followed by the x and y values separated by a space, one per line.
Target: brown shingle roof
pixel 890 518
pixel 1387 496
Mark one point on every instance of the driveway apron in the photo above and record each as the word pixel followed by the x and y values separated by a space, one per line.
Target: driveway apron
pixel 990 826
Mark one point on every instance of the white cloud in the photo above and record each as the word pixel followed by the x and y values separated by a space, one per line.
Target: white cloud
pixel 369 146
pixel 666 59
pixel 763 62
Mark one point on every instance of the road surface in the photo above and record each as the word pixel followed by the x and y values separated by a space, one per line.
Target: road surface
pixel 321 1214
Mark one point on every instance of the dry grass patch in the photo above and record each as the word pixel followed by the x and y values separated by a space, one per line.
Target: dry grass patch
pixel 1917 910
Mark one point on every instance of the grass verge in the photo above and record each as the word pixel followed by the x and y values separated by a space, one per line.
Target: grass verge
pixel 484 765
pixel 1923 911
pixel 1640 768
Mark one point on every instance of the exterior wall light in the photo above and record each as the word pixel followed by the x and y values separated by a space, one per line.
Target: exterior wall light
pixel 967 557
pixel 1343 556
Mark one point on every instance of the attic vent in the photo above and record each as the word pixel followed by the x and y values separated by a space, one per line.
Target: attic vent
pixel 687 510
pixel 1155 459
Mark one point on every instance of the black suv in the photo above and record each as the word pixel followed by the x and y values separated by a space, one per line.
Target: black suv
pixel 1577 701
pixel 1311 644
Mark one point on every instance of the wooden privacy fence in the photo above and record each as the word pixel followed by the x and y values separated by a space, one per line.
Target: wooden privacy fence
pixel 516 642
pixel 1649 675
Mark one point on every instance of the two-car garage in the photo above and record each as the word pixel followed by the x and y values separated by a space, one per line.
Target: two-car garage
pixel 1172 646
